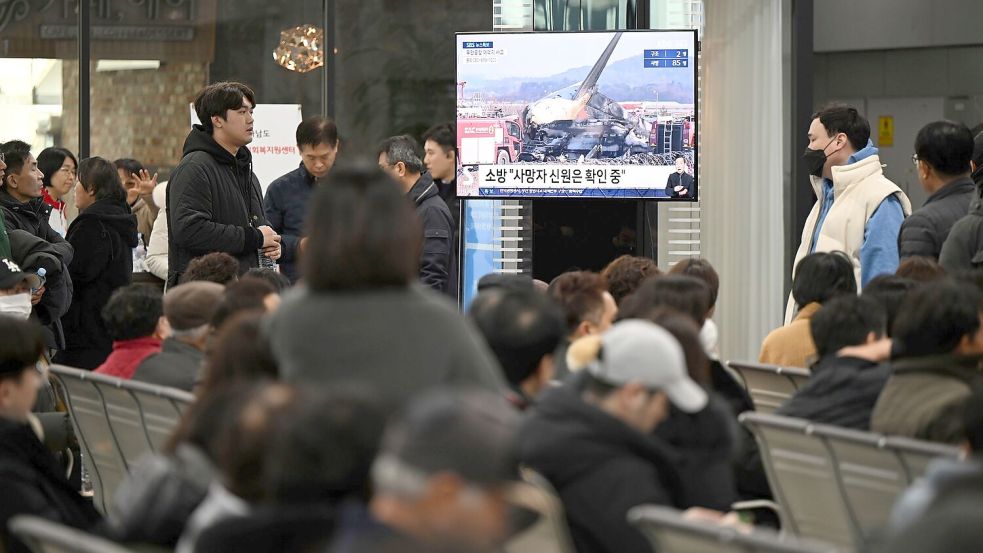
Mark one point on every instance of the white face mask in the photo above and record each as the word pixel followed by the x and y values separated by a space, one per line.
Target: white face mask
pixel 17 305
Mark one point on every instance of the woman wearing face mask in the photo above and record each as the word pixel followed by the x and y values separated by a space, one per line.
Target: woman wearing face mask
pixel 15 290
pixel 59 168
pixel 104 235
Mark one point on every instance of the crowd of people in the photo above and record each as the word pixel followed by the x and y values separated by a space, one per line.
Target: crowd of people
pixel 344 403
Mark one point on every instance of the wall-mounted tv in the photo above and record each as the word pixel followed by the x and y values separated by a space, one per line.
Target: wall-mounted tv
pixel 577 115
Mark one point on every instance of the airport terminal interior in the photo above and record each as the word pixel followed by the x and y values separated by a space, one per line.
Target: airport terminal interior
pixel 469 276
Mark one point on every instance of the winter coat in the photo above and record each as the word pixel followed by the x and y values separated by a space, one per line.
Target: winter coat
pixel 791 345
pixel 925 231
pixel 438 260
pixel 401 341
pixel 841 391
pixel 32 483
pixel 103 236
pixel 599 466
pixel 127 356
pixel 177 365
pixel 214 204
pixel 705 442
pixel 924 397
pixel 32 217
pixel 32 253
pixel 963 248
pixel 287 202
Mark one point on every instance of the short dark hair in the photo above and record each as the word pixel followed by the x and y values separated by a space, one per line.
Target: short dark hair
pixel 217 267
pixel 16 154
pixel 890 291
pixel 128 164
pixel 277 279
pixel 678 157
pixel 218 98
pixel 133 311
pixel 362 234
pixel 920 269
pixel 580 294
pixel 99 177
pixel 444 135
pixel 317 130
pixel 821 276
pixel 688 295
pixel 935 318
pixel 626 272
pixel 238 353
pixel 246 294
pixel 946 146
pixel 50 161
pixel 978 150
pixel 846 321
pixel 402 148
pixel 321 447
pixel 683 328
pixel 22 346
pixel 839 118
pixel 701 269
pixel 521 327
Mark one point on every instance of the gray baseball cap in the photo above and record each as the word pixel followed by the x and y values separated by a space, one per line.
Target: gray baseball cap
pixel 634 350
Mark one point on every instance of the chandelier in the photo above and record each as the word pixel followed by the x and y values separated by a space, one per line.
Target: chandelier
pixel 300 49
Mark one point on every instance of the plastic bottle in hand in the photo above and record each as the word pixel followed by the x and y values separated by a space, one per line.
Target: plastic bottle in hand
pixel 41 276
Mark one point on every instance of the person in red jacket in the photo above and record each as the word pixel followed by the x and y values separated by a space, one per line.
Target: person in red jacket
pixel 134 319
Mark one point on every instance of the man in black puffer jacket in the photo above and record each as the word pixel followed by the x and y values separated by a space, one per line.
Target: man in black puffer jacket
pixel 963 249
pixel 214 201
pixel 943 151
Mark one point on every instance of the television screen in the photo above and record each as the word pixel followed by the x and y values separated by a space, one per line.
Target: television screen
pixel 577 115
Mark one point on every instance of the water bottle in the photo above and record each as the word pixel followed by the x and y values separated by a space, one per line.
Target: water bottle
pixel 264 261
pixel 139 256
pixel 41 274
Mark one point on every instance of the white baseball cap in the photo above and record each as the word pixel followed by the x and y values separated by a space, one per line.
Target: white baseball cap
pixel 640 351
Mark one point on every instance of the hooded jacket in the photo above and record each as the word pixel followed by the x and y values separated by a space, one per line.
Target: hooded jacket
pixel 32 483
pixel 437 260
pixel 963 248
pixel 103 236
pixel 600 467
pixel 214 204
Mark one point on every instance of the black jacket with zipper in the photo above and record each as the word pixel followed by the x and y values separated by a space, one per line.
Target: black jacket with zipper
pixel 214 204
pixel 963 247
pixel 925 231
pixel 32 216
pixel 438 260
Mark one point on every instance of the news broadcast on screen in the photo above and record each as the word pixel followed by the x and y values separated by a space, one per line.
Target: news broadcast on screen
pixel 577 115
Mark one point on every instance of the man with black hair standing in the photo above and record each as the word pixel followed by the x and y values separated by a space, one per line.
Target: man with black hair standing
pixel 943 152
pixel 859 211
pixel 214 201
pixel 287 197
pixel 400 158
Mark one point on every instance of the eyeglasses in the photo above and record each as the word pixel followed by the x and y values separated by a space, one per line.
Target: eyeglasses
pixel 914 159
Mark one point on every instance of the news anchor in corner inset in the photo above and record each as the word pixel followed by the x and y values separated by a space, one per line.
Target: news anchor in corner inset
pixel 680 183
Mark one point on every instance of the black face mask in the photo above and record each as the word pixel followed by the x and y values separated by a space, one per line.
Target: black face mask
pixel 816 159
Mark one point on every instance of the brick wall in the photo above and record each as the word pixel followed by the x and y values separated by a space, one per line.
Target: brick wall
pixel 141 114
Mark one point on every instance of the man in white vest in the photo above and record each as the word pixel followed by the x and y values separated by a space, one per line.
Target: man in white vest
pixel 859 211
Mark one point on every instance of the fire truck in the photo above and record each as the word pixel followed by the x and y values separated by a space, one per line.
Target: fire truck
pixel 489 140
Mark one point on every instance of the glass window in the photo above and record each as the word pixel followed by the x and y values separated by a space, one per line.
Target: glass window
pixel 38 58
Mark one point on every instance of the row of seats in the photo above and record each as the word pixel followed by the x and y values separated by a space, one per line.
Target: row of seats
pixel 117 422
pixel 832 484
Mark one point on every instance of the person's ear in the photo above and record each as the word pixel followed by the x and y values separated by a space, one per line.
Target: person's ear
pixel 546 369
pixel 163 330
pixel 217 122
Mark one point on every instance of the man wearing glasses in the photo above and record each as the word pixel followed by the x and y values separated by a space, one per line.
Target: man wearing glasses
pixel 859 211
pixel 943 151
